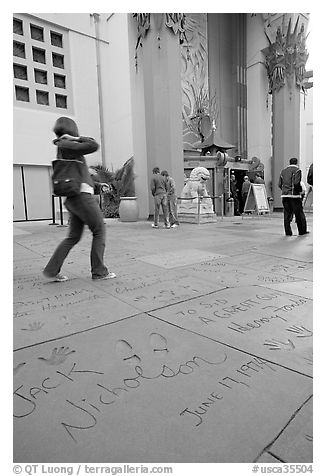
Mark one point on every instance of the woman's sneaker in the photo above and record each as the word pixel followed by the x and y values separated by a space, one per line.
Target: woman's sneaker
pixel 154 226
pixel 107 276
pixel 60 278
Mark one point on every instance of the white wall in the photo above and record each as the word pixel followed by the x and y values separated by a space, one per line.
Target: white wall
pixel 116 93
pixel 32 132
pixel 306 133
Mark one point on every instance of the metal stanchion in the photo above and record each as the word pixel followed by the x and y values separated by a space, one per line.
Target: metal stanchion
pixel 53 212
pixel 198 210
pixel 61 213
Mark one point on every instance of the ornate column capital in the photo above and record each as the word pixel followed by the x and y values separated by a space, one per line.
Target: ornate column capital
pixel 286 55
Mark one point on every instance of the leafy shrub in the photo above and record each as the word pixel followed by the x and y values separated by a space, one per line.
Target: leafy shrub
pixel 122 183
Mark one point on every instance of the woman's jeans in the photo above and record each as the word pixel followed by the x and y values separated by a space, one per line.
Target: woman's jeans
pixel 84 210
pixel 161 201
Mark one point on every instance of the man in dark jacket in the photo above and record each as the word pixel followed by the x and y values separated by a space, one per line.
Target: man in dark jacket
pixel 159 191
pixel 310 175
pixel 290 185
pixel 234 193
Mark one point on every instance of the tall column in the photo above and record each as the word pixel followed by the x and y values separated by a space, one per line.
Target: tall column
pixel 286 57
pixel 286 132
pixel 259 114
pixel 157 110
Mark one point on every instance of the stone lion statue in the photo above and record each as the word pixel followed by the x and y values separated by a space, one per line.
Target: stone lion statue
pixel 196 187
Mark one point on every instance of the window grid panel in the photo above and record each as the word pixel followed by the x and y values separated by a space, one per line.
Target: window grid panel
pixel 38 55
pixel 42 97
pixel 56 39
pixel 61 101
pixel 18 27
pixel 37 33
pixel 40 76
pixel 59 81
pixel 58 61
pixel 62 83
pixel 19 49
pixel 22 94
pixel 20 71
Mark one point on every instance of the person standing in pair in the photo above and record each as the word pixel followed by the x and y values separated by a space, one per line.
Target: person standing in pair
pixel 172 199
pixel 290 185
pixel 245 189
pixel 159 191
pixel 83 207
pixel 310 175
pixel 234 194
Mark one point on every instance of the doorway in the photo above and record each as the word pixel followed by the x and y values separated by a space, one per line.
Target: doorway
pixel 239 178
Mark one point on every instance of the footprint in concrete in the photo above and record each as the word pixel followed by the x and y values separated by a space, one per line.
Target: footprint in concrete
pixel 58 356
pixel 126 352
pixel 33 326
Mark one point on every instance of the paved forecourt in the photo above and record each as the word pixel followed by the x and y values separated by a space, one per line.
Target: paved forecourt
pixel 199 351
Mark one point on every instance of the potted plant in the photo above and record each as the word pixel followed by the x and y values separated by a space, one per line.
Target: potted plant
pixel 125 183
pixel 121 201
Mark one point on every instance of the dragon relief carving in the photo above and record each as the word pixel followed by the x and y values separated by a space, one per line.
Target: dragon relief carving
pixel 286 57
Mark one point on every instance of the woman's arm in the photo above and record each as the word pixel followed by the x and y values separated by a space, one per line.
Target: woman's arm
pixel 72 146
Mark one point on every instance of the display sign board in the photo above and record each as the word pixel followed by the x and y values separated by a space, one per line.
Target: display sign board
pixel 257 199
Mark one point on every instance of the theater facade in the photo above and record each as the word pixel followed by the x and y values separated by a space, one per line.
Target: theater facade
pixel 172 90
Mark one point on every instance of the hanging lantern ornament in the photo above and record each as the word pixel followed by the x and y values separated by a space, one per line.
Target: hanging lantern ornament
pixel 158 22
pixel 143 24
pixel 175 21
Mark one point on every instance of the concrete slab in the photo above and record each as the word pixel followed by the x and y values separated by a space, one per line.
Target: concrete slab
pixel 268 263
pixel 180 257
pixel 19 231
pixel 143 390
pixel 168 408
pixel 229 275
pixel 43 245
pixel 59 309
pixel 295 444
pixel 299 288
pixel 306 274
pixel 21 253
pixel 292 247
pixel 147 291
pixel 267 458
pixel 269 323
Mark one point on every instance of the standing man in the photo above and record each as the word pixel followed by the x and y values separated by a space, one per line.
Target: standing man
pixel 172 199
pixel 310 183
pixel 290 185
pixel 159 191
pixel 310 175
pixel 245 189
pixel 234 193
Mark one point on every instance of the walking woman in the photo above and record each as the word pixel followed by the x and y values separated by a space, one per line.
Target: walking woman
pixel 83 207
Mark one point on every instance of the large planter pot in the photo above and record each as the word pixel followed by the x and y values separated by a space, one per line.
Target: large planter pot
pixel 128 209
